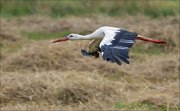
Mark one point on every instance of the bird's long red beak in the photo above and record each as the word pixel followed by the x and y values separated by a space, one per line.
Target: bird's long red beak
pixel 61 40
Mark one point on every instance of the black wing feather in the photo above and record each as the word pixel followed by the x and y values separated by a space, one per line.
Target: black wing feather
pixel 119 49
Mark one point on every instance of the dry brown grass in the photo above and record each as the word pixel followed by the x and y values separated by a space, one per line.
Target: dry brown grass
pixel 56 88
pixel 41 75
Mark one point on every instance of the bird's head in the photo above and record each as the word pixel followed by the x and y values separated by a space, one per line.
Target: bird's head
pixel 69 37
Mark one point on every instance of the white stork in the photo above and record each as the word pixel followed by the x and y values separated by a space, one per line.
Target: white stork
pixel 113 43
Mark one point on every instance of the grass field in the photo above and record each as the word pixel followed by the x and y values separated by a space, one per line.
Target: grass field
pixel 36 74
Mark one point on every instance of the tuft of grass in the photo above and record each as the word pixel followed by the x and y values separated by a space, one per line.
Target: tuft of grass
pixel 44 35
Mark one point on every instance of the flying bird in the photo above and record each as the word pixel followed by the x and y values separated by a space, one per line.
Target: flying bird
pixel 113 43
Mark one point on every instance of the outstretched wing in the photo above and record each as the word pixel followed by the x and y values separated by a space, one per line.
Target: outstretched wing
pixel 93 48
pixel 115 45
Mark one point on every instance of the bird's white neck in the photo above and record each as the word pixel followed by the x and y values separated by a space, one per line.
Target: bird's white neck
pixel 95 35
pixel 87 37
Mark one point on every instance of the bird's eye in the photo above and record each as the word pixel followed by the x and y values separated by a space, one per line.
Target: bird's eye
pixel 71 36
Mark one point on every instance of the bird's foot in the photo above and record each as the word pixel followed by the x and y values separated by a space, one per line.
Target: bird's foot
pixel 84 52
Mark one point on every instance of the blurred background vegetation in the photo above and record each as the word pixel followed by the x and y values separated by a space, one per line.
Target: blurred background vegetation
pixel 39 75
pixel 55 8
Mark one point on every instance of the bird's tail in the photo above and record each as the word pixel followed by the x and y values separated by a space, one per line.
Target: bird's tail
pixel 150 40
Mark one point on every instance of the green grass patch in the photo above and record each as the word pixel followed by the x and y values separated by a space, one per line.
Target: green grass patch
pixel 10 47
pixel 61 8
pixel 134 106
pixel 121 105
pixel 154 50
pixel 44 35
pixel 16 8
